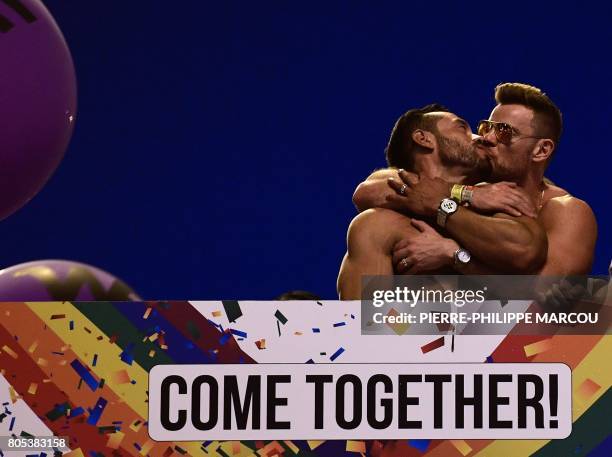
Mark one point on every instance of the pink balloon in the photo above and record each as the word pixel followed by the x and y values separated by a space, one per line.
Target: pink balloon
pixel 38 100
pixel 61 280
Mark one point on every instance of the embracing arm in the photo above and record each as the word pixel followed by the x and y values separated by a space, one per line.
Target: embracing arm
pixel 507 243
pixel 373 192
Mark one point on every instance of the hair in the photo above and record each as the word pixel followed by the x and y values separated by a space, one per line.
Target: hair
pixel 297 295
pixel 401 146
pixel 547 120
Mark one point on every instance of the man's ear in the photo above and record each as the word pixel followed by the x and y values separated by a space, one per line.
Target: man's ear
pixel 424 138
pixel 543 150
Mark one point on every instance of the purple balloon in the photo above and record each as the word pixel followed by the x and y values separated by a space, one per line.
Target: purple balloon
pixel 61 280
pixel 37 100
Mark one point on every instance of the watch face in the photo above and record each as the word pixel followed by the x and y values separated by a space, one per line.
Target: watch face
pixel 448 206
pixel 463 256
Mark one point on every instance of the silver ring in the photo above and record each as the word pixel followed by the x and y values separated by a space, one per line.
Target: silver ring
pixel 402 190
pixel 404 262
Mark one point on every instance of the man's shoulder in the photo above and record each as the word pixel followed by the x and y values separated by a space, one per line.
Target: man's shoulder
pixel 560 205
pixel 381 217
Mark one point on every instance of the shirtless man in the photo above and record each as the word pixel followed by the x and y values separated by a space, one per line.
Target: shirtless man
pixel 523 224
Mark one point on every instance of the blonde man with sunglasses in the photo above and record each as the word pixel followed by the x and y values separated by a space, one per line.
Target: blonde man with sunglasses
pixel 521 225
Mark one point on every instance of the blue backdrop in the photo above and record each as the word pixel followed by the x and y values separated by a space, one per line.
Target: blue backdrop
pixel 218 143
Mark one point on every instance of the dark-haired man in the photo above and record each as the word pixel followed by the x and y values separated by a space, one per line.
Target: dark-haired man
pixel 534 226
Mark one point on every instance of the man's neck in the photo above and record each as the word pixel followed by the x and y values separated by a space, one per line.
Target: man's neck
pixel 533 185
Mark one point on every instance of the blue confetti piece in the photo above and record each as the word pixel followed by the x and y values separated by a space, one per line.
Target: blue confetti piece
pixel 489 359
pixel 316 330
pixel 71 325
pixel 97 411
pixel 225 338
pixel 84 374
pixel 76 412
pixel 12 424
pixel 336 354
pixel 238 333
pixel 126 355
pixel 95 360
pixel 421 445
pixel 352 316
pixel 339 324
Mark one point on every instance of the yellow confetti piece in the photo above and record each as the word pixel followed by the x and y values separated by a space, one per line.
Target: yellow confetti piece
pixel 153 337
pixel 355 446
pixel 9 351
pixel 271 449
pixel 115 439
pixel 313 444
pixel 64 348
pixel 152 353
pixel 63 363
pixel 33 388
pixel 292 446
pixel 147 313
pixel 42 362
pixel 75 453
pixel 461 446
pixel 146 447
pixel 587 389
pixel 298 333
pixel 136 425
pixel 217 313
pixel 261 344
pixel 538 347
pixel 399 329
pixel 13 394
pixel 33 347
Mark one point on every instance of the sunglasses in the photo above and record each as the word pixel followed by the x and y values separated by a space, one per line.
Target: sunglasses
pixel 503 132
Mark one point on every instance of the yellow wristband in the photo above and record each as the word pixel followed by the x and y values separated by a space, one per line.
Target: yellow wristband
pixel 456 192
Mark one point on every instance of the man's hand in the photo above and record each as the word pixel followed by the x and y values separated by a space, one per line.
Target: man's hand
pixel 423 252
pixel 418 194
pixel 502 197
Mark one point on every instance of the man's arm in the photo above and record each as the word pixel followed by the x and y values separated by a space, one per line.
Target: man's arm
pixel 572 232
pixel 429 251
pixel 373 192
pixel 370 240
pixel 506 243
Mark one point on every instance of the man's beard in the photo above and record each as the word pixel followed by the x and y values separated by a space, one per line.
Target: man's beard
pixel 453 153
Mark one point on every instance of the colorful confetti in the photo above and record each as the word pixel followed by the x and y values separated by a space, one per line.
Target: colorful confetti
pixel 435 344
pixel 461 446
pixel 355 446
pixel 336 354
pixel 587 389
pixel 538 347
pixel 84 374
pixel 232 310
pixel 281 317
pixel 398 328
